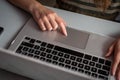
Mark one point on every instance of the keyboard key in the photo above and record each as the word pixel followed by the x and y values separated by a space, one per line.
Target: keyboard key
pixel 49 56
pixel 37 52
pixel 68 51
pixel 66 56
pixel 88 57
pixel 105 73
pixel 48 60
pixel 30 55
pixel 37 57
pixel 25 48
pixel 87 67
pixel 80 65
pixel 85 61
pixel 48 51
pixel 98 65
pixel 27 38
pixel 67 66
pixel 94 75
pixel 42 49
pixel 81 55
pixel 43 44
pixel 108 63
pixel 88 73
pixel 74 63
pixel 67 61
pixel 32 40
pixel 60 54
pixel 36 47
pixel 107 68
pixel 27 44
pixel 79 60
pixel 95 59
pixel 80 70
pixel 54 52
pixel 50 46
pixel 38 41
pixel 61 59
pixel 42 58
pixel 55 58
pixel 31 50
pixel 55 62
pixel 72 57
pixel 74 68
pixel 102 77
pixel 61 64
pixel 94 69
pixel 92 63
pixel 43 54
pixel 24 53
pixel 19 50
pixel 101 61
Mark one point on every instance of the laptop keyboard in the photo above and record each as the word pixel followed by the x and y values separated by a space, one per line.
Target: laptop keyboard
pixel 63 57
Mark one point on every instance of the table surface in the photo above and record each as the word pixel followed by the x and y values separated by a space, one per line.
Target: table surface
pixel 12 19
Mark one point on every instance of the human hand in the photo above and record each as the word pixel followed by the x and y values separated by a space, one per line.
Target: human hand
pixel 47 19
pixel 115 50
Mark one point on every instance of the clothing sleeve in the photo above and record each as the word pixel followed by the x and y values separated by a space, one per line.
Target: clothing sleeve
pixel 118 18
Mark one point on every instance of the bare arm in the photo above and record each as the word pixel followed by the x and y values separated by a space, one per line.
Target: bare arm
pixel 46 18
pixel 24 4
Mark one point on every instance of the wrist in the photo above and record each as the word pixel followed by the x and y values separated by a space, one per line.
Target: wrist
pixel 35 4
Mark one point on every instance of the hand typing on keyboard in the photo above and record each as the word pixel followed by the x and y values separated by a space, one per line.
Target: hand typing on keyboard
pixel 115 49
pixel 46 18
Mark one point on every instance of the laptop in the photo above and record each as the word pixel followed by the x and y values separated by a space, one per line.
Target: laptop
pixel 52 56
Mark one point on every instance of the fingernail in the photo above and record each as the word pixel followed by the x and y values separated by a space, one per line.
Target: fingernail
pixel 50 29
pixel 65 33
pixel 44 29
pixel 113 73
pixel 55 27
pixel 106 55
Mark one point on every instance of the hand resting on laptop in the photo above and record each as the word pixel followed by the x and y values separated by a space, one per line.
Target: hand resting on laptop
pixel 115 51
pixel 46 18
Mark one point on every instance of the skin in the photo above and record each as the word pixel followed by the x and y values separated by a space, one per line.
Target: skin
pixel 47 19
pixel 114 50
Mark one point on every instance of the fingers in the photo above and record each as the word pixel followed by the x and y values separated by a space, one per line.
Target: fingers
pixel 62 25
pixel 116 61
pixel 118 73
pixel 41 24
pixel 51 22
pixel 115 47
pixel 47 23
pixel 110 50
pixel 115 64
pixel 63 28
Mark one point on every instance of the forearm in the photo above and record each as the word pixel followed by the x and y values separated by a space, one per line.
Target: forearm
pixel 25 4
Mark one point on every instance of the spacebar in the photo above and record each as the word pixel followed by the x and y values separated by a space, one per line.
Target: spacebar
pixel 61 49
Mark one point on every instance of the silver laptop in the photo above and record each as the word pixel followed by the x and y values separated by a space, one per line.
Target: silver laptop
pixel 52 56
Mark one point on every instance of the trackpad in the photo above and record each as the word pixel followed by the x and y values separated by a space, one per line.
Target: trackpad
pixel 75 38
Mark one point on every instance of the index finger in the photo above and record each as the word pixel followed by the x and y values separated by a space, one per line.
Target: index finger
pixel 63 29
pixel 62 25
